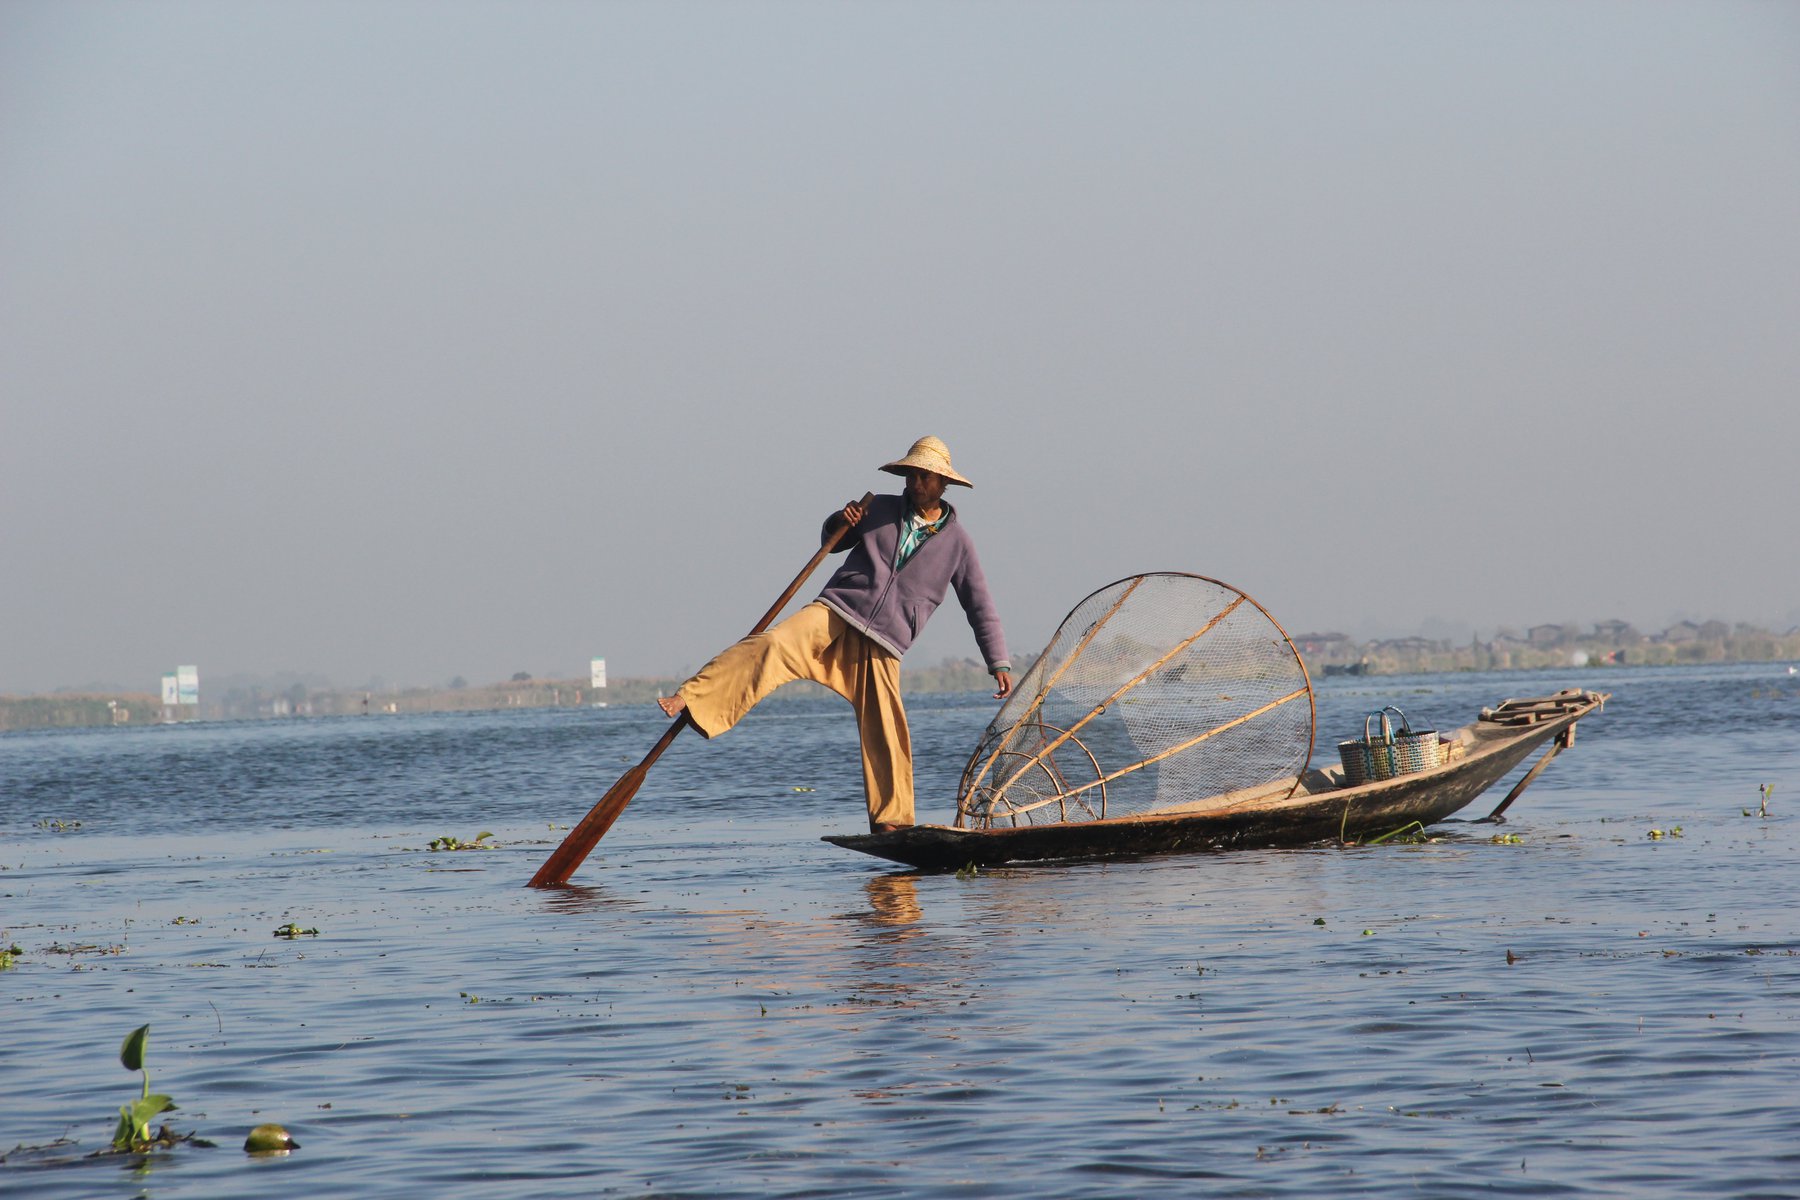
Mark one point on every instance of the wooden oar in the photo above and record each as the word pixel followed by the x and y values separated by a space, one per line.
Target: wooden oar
pixel 584 837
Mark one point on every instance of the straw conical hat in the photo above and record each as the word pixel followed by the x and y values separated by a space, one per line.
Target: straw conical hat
pixel 928 454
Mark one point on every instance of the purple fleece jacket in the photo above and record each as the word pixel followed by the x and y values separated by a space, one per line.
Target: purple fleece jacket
pixel 891 606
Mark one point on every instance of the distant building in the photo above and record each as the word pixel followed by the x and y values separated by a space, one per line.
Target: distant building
pixel 1409 645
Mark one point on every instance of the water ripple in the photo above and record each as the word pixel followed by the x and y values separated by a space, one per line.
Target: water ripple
pixel 722 1006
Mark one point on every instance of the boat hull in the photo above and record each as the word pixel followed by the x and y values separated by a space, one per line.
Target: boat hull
pixel 1309 816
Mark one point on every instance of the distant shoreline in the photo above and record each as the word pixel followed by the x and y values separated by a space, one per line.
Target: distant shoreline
pixel 1326 655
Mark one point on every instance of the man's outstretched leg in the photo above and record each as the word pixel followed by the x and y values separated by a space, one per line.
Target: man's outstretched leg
pixel 731 684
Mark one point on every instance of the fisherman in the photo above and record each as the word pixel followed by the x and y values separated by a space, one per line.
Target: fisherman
pixel 905 552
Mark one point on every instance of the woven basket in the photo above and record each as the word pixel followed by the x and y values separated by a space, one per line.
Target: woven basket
pixel 1384 752
pixel 1362 760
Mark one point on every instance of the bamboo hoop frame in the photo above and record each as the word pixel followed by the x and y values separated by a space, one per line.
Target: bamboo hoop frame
pixel 1055 773
pixel 1171 751
pixel 968 787
pixel 1127 686
pixel 1044 690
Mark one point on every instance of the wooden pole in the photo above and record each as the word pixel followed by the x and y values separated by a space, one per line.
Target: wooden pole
pixel 1563 740
pixel 584 837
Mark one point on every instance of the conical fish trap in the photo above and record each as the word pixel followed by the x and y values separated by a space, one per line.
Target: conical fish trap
pixel 1155 692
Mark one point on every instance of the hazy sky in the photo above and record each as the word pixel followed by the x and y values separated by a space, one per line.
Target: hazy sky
pixel 413 340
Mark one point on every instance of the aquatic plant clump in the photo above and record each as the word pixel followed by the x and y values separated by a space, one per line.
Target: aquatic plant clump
pixel 450 842
pixel 133 1131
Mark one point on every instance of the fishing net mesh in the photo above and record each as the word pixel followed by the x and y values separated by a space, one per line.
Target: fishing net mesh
pixel 1155 692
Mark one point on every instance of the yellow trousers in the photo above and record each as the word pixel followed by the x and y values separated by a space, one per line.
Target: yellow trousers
pixel 818 644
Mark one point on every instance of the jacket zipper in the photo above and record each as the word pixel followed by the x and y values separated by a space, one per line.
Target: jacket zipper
pixel 893 574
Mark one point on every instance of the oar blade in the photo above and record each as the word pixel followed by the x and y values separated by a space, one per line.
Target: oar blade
pixel 584 837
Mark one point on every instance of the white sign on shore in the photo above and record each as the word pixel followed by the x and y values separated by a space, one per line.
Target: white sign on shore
pixel 597 671
pixel 187 685
pixel 171 691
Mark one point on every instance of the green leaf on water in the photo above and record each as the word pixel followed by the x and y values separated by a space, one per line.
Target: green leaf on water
pixel 150 1106
pixel 134 1121
pixel 131 1051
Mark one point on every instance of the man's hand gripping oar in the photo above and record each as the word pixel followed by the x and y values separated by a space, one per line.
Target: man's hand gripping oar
pixel 584 837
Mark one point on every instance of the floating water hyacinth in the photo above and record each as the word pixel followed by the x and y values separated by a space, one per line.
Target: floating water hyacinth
pixel 448 842
pixel 133 1132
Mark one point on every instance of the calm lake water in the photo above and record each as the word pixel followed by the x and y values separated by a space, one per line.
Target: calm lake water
pixel 726 1006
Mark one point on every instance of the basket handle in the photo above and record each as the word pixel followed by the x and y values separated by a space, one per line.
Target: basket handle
pixel 1387 728
pixel 1405 725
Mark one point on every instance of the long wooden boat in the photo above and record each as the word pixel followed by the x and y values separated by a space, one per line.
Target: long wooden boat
pixel 1321 808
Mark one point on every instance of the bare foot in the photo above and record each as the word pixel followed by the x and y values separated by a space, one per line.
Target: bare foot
pixel 672 706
